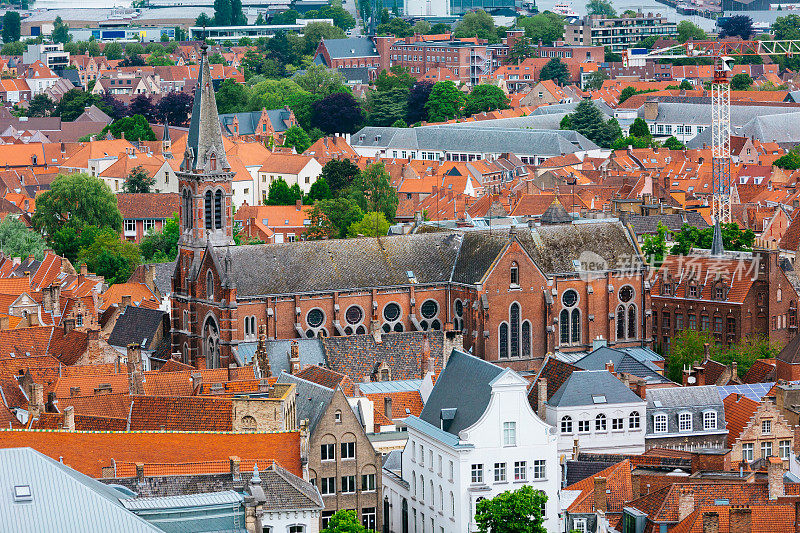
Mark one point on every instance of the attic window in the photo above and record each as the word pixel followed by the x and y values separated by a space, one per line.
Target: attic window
pixel 599 398
pixel 22 493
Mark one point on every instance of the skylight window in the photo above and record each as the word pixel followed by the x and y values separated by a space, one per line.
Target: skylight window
pixel 599 398
pixel 22 493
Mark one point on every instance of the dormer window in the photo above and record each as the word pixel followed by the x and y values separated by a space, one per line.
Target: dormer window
pixel 212 162
pixel 692 290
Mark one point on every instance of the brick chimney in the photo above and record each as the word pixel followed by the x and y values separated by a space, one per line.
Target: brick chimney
pixel 710 522
pixel 650 110
pixel 69 419
pixel 236 465
pixel 387 407
pixel 36 400
pixel 741 519
pixel 197 382
pixel 610 367
pixel 541 393
pixel 233 372
pixel 135 373
pixel 294 358
pixel 69 325
pixel 140 473
pixel 298 205
pixel 685 502
pixel 775 477
pixel 641 389
pixel 263 385
pixel 126 301
pixel 600 496
pixel 426 355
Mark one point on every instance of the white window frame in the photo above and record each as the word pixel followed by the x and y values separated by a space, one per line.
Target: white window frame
pixel 709 420
pixel 539 469
pixel 520 471
pixel 748 451
pixel 766 427
pixel 476 473
pixel 766 449
pixel 660 419
pixel 634 420
pixel 682 419
pixel 509 434
pixel 500 474
pixel 785 449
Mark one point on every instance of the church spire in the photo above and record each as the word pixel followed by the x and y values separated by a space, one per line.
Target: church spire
pixel 204 148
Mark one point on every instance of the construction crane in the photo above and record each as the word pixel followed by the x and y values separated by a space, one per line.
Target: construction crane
pixel 723 53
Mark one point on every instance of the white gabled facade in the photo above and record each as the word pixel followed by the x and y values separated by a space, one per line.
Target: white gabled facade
pixel 443 476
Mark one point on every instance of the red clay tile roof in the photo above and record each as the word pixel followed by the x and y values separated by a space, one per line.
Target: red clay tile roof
pixel 82 422
pixel 618 481
pixel 326 377
pixel 705 269
pixel 175 366
pixel 776 518
pixel 662 505
pixel 112 405
pixel 404 403
pixel 762 371
pixel 556 373
pixel 738 411
pixel 191 413
pixel 89 452
pixel 148 205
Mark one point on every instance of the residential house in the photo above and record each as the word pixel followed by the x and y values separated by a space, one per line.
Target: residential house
pixel 294 169
pixel 262 125
pixel 94 157
pixel 342 463
pixel 685 418
pixel 14 90
pixel 147 328
pixel 40 78
pixel 349 52
pixel 757 431
pixel 155 165
pixel 464 448
pixel 546 92
pixel 597 411
pixel 145 212
pixel 274 223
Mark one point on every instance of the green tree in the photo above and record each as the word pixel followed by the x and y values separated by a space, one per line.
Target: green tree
pixel 320 80
pixel 135 128
pixel 60 32
pixel 737 25
pixel 330 219
pixel 477 24
pixel 588 121
pixel 345 522
pixel 555 70
pixel 655 246
pixel 203 20
pixel 386 107
pixel 113 51
pixel 733 238
pixel 222 12
pixel 423 27
pixel 16 240
pixel 485 98
pixel 611 57
pixel 688 347
pixel 341 17
pixel 566 123
pixel 688 30
pixel 784 28
pixel 518 511
pixel 445 102
pixel 11 26
pixel 259 21
pixel 110 257
pixel 521 50
pixel 319 191
pixel 41 106
pixel 396 26
pixel 547 27
pixel 216 59
pixel 15 48
pixel 601 7
pixel 316 31
pixel 75 201
pixel 674 144
pixel 297 138
pixel 373 191
pixel 139 181
pixel 134 49
pixel 162 246
pixel 372 225
pixel 741 82
pixel 238 17
pixel 232 97
pixel 639 128
pixel 398 77
pixel 634 142
pixel 789 161
pixel 281 194
pixel 595 80
pixel 74 102
pixel 339 174
pixel 159 58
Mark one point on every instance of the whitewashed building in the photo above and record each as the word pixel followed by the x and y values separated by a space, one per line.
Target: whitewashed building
pixel 476 438
pixel 600 411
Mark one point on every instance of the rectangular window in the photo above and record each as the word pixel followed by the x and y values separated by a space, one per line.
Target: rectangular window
pixel 348 450
pixel 685 422
pixel 368 517
pixel 583 426
pixel 766 449
pixel 477 473
pixel 766 427
pixel 709 420
pixel 328 485
pixel 747 451
pixel 499 472
pixel 784 448
pixel 509 433
pixel 328 452
pixel 348 484
pixel 539 471
pixel 678 321
pixel 421 455
pixel 579 525
pixel 326 518
pixel 520 471
pixel 149 224
pixel 660 423
pixel 692 321
pixel 617 423
pixel 440 465
pixel 367 482
pixel 451 470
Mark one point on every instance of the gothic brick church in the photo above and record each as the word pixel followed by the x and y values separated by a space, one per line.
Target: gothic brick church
pixel 515 295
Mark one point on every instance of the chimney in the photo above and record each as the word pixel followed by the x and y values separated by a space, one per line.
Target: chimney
pixel 92 334
pixel 233 372
pixel 600 499
pixel 263 385
pixel 197 382
pixel 298 205
pixel 775 477
pixel 136 383
pixel 140 473
pixel 69 419
pixel 711 522
pixel 294 358
pixel 651 110
pixel 4 322
pixel 150 277
pixel 69 325
pixel 47 299
pixel 236 464
pixel 84 269
pixel 741 519
pixel 134 357
pixel 541 393
pixel 599 342
pixel 126 301
pixel 610 367
pixel 387 407
pixel 576 449
pixel 426 355
pixel 685 502
pixel 36 400
pixel 641 389
pixel 706 352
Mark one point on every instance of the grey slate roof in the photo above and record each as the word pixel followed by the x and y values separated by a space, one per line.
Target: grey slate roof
pixel 354 75
pixel 580 388
pixel 623 362
pixel 248 121
pixel 351 47
pixel 474 138
pixel 648 224
pixel 163 276
pixel 464 385
pixel 700 113
pixel 310 350
pixel 555 214
pixel 683 396
pixel 137 325
pixel 62 499
pixel 434 257
pixel 312 399
pixel 205 134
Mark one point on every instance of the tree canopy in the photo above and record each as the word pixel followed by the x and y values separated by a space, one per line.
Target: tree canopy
pixel 11 26
pixel 16 240
pixel 733 238
pixel 688 30
pixel 109 256
pixel 476 24
pixel 444 102
pixel 485 98
pixel 139 181
pixel 371 225
pixel 547 27
pixel 135 128
pixel 373 191
pixel 339 174
pixel 736 26
pixel 297 138
pixel 518 511
pixel 589 122
pixel 555 70
pixel 345 522
pixel 161 246
pixel 741 82
pixel 601 7
pixel 338 113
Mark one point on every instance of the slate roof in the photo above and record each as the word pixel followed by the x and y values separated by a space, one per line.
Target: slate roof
pixel 61 498
pixel 463 372
pixel 248 121
pixel 205 134
pixel 584 387
pixel 137 325
pixel 555 214
pixel 433 257
pixel 312 399
pixel 683 396
pixel 556 372
pixel 285 490
pixel 350 47
pixel 791 352
pixel 648 224
pixel 311 353
pixel 623 362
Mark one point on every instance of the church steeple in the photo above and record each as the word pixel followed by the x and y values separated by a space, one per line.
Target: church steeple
pixel 205 179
